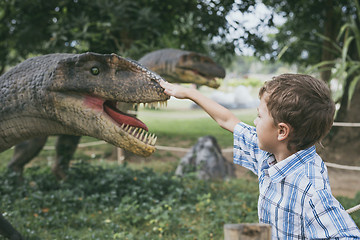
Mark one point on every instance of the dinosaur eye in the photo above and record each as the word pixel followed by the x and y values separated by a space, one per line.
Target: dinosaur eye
pixel 95 71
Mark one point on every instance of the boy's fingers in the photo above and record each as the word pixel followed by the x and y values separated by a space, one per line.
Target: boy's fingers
pixel 163 83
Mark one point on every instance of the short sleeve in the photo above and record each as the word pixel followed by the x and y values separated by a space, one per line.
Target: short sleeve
pixel 246 148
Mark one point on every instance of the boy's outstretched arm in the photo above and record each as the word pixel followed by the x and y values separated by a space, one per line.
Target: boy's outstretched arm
pixel 225 118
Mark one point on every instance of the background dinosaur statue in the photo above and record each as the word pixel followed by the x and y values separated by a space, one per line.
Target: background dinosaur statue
pixel 177 66
pixel 76 94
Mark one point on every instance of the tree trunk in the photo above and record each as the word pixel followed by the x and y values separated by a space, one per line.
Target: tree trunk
pixel 342 146
pixel 330 30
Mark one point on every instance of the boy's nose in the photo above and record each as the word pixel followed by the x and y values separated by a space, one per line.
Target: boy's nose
pixel 255 121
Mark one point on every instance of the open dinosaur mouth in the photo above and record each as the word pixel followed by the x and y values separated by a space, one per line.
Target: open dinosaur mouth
pixel 123 118
pixel 130 124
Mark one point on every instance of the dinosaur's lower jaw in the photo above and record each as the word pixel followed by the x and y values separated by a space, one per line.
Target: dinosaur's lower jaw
pixel 130 124
pixel 213 82
pixel 135 132
pixel 122 118
pixel 193 76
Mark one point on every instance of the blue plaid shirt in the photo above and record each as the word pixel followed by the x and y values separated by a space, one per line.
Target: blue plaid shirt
pixel 295 195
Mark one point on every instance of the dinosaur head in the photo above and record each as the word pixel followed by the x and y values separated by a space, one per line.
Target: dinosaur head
pixel 83 93
pixel 179 66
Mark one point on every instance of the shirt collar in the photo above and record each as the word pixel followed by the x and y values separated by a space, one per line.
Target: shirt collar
pixel 289 165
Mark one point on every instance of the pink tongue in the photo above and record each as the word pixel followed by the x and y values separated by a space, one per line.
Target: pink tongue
pixel 121 118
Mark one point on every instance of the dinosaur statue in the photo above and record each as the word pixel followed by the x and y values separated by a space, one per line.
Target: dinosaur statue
pixel 76 94
pixel 177 66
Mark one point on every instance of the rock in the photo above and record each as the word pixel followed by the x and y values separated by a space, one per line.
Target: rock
pixel 205 158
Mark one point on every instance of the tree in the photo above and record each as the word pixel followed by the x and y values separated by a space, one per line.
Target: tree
pixel 309 36
pixel 128 27
pixel 343 143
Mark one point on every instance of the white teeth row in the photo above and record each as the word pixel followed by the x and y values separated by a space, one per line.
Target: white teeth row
pixel 140 134
pixel 152 104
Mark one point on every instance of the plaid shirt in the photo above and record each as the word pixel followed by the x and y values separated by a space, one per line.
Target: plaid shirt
pixel 295 195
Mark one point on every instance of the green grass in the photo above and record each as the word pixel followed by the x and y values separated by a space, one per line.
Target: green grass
pixel 103 200
pixel 176 128
pixel 121 203
pixel 183 128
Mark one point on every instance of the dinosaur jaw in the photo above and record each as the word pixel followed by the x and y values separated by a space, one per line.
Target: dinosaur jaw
pixel 193 76
pixel 122 118
pixel 130 124
pixel 123 130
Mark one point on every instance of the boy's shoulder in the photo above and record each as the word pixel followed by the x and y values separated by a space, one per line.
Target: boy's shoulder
pixel 313 172
pixel 241 126
pixel 244 129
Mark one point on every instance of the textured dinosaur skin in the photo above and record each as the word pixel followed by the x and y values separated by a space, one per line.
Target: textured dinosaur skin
pixel 176 66
pixel 179 66
pixel 75 94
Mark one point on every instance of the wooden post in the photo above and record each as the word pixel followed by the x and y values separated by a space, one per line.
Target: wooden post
pixel 120 156
pixel 247 231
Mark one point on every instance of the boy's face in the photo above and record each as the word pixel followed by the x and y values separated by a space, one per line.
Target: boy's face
pixel 266 130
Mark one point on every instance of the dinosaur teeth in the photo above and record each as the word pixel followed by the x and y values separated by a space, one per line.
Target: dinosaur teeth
pixel 135 105
pixel 140 134
pixel 155 105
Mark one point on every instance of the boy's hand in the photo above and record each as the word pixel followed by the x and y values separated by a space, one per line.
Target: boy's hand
pixel 174 90
pixel 221 115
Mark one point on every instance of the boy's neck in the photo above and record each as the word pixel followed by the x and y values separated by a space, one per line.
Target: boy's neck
pixel 283 153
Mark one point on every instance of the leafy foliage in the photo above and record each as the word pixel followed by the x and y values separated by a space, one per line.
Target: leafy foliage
pixel 129 28
pixel 345 67
pixel 297 39
pixel 121 203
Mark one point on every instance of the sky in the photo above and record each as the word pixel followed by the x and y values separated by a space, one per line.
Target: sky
pixel 250 20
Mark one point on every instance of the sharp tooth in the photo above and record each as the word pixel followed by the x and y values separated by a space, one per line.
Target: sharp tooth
pixel 154 141
pixel 134 133
pixel 129 130
pixel 141 135
pixel 122 125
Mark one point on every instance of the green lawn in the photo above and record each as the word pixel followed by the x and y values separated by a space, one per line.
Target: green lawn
pixel 103 200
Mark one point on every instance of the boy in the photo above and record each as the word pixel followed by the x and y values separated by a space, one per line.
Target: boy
pixel 295 112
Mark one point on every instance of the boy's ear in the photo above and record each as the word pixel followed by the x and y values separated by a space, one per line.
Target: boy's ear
pixel 283 131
